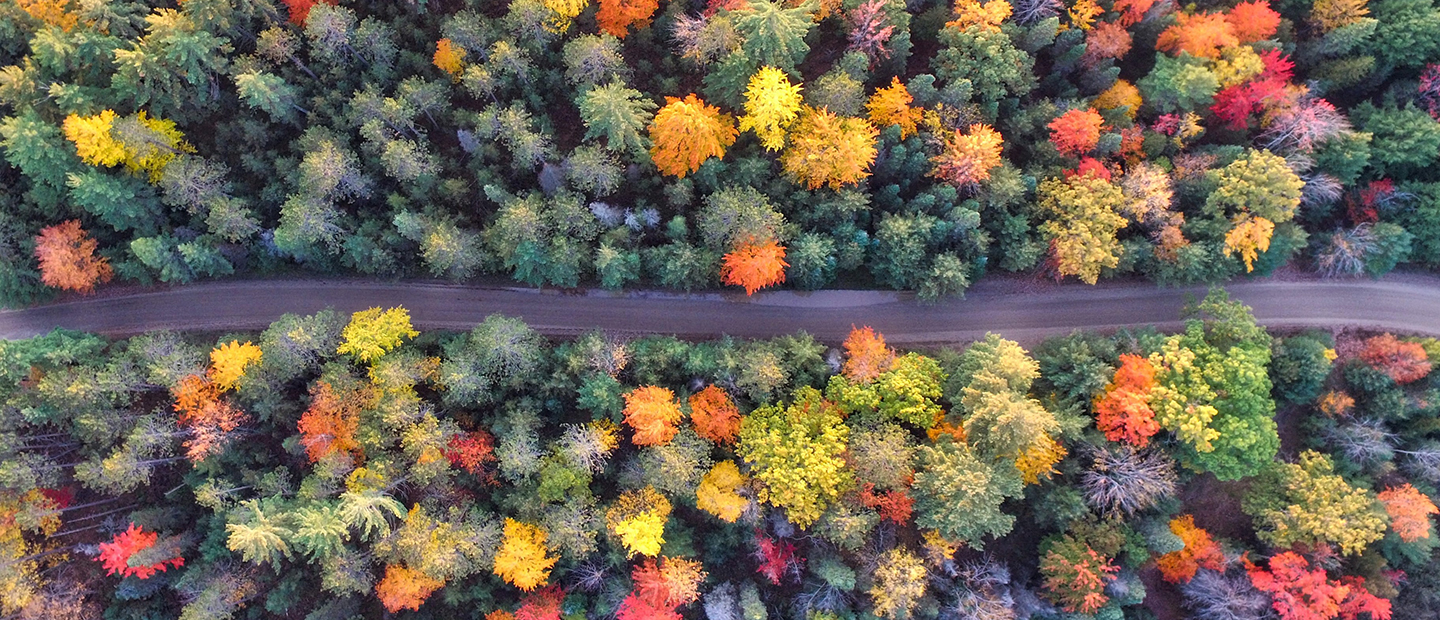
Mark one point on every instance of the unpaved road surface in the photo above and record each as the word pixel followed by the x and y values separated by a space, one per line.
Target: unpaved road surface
pixel 1029 312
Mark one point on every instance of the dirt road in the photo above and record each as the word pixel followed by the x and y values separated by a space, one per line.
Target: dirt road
pixel 1026 312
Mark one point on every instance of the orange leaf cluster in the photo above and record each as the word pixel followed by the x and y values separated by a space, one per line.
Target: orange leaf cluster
pixel 829 150
pixel 208 419
pixel 1409 511
pixel 652 413
pixel 1201 34
pixel 1132 11
pixel 330 423
pixel 969 158
pixel 1253 21
pixel 1201 551
pixel 634 607
pixel 1405 362
pixel 67 258
pixel 754 266
pixel 1123 413
pixel 1105 40
pixel 715 415
pixel 891 106
pixel 1075 576
pixel 472 452
pixel 300 9
pixel 449 57
pixel 616 16
pixel 671 582
pixel 59 13
pixel 1076 132
pixel 1335 403
pixel 686 132
pixel 115 555
pixel 894 505
pixel 866 355
pixel 405 588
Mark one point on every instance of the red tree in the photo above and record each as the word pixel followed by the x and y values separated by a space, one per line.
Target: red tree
pixel 894 505
pixel 1076 132
pixel 1201 551
pixel 636 608
pixel 1404 362
pixel 115 555
pixel 473 452
pixel 1300 592
pixel 777 558
pixel 543 604
pixel 1123 413
pixel 300 9
pixel 67 258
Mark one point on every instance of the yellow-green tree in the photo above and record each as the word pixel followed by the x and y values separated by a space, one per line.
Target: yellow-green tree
pixel 772 104
pixel 1307 502
pixel 1081 223
pixel 716 493
pixel 796 453
pixel 899 583
pixel 373 333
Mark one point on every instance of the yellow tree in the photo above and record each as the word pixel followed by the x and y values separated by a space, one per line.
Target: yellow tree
pixel 373 333
pixel 228 362
pixel 829 150
pixel 968 158
pixel 1249 237
pixel 449 57
pixel 686 132
pixel 638 518
pixel 1081 224
pixel 92 139
pixel 716 493
pixel 772 104
pixel 891 106
pixel 521 560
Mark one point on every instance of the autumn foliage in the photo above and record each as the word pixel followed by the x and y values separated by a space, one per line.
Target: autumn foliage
pixel 894 505
pixel 686 132
pixel 542 604
pixel 828 150
pixel 670 582
pixel 754 266
pixel 777 558
pixel 638 518
pixel 115 555
pixel 329 424
pixel 891 106
pixel 635 607
pixel 716 493
pixel 1123 413
pixel 521 560
pixel 1076 132
pixel 772 104
pixel 652 413
pixel 207 417
pixel 1253 21
pixel 616 16
pixel 1405 362
pixel 1200 34
pixel 715 415
pixel 1300 592
pixel 1409 511
pixel 300 9
pixel 449 57
pixel 229 361
pixel 473 452
pixel 1201 551
pixel 866 355
pixel 405 588
pixel 968 158
pixel 1076 575
pixel 67 258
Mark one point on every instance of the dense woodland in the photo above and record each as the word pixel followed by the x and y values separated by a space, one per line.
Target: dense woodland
pixel 901 144
pixel 336 467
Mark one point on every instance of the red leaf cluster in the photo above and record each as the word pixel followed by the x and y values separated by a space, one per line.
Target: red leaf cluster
pixel 1132 11
pixel 473 452
pixel 115 555
pixel 894 505
pixel 1300 592
pixel 1405 362
pixel 543 604
pixel 1076 132
pixel 755 266
pixel 1253 21
pixel 300 9
pixel 777 558
pixel 1430 90
pixel 1235 104
pixel 636 608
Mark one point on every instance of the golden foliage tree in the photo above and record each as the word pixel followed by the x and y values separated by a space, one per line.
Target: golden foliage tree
pixel 1081 225
pixel 1249 237
pixel 373 333
pixel 968 158
pixel 891 106
pixel 772 104
pixel 229 361
pixel 754 266
pixel 59 13
pixel 652 412
pixel 1120 94
pixel 521 560
pixel 716 493
pixel 449 57
pixel 638 518
pixel 67 258
pixel 686 132
pixel 1409 511
pixel 92 140
pixel 829 150
pixel 405 588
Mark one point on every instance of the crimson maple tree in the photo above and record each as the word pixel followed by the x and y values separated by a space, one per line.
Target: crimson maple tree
pixel 115 555
pixel 1076 132
pixel 473 452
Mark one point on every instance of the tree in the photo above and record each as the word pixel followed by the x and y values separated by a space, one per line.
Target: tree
pixel 899 584
pixel 1307 502
pixel 619 114
pixel 686 132
pixel 1082 223
pixel 260 538
pixel 449 58
pixel 616 16
pixel 773 35
pixel 754 266
pixel 373 333
pixel 635 607
pixel 891 106
pixel 1123 413
pixel 329 424
pixel 92 139
pixel 522 560
pixel 1259 183
pixel 737 216
pixel 715 415
pixel 1107 40
pixel 772 104
pixel 1200 551
pixel 405 588
pixel 1409 511
pixel 1075 575
pixel 1405 362
pixel 1202 35
pixel 670 583
pixel 1179 84
pixel 300 9
pixel 716 493
pixel 67 258
pixel 866 355
pixel 120 555
pixel 638 518
pixel 1076 132
pixel 1125 481
pixel 652 413
pixel 960 496
pixel 229 361
pixel 1301 592
pixel 796 453
pixel 828 150
pixel 968 158
pixel 1253 21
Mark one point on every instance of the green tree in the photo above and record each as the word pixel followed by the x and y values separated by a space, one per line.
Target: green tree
pixel 500 354
pixel 1178 84
pixel 1405 139
pixel 774 35
pixel 983 61
pixel 1408 32
pixel 1258 183
pixel 257 537
pixel 618 113
pixel 960 495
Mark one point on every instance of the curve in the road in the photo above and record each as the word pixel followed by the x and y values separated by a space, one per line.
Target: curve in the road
pixel 1407 305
